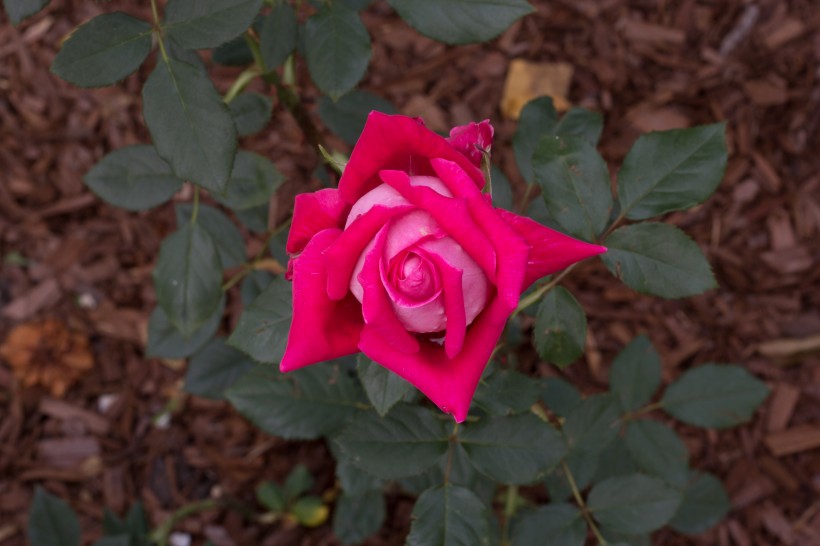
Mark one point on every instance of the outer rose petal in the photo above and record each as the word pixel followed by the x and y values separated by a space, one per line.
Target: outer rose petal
pixel 321 328
pixel 401 143
pixel 550 251
pixel 313 212
pixel 472 139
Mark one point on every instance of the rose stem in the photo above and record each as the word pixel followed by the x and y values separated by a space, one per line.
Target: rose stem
pixel 580 500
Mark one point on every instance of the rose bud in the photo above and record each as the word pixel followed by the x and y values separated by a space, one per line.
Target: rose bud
pixel 409 262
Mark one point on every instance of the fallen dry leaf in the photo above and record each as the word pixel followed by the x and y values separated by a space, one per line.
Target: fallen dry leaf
pixel 526 81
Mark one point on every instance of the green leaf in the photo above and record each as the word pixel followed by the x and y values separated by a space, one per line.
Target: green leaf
pixel 298 482
pixel 251 112
pixel 337 49
pixel 165 341
pixel 233 53
pixel 582 466
pixel 300 405
pixel 559 395
pixel 715 396
pixel 506 392
pixel 705 503
pixel 17 10
pixel 229 243
pixel 633 504
pixel 538 118
pixel 502 193
pixel 104 50
pixel 449 516
pixel 658 451
pixel 52 522
pixel 191 126
pixel 358 516
pixel 557 524
pixel 214 369
pixel 615 538
pixel 188 278
pixel 461 21
pixel 271 496
pixel 133 178
pixel 658 259
pixel 560 328
pixel 255 219
pixel 671 170
pixel 309 511
pixel 636 374
pixel 262 330
pixel 614 460
pixel 199 25
pixel 574 183
pixel 384 388
pixel 278 35
pixel 352 479
pixel 515 450
pixel 406 442
pixel 253 180
pixel 114 540
pixel 253 285
pixel 592 424
pixel 346 117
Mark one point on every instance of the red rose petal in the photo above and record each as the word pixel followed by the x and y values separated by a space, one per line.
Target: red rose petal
pixel 313 212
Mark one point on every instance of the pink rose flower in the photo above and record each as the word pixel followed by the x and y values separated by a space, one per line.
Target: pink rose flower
pixel 408 262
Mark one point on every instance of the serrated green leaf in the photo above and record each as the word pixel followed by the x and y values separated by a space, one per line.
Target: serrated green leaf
pixel 52 522
pixel 188 278
pixel 614 460
pixel 715 396
pixel 133 178
pixel 658 451
pixel 104 50
pixel 278 35
pixel 191 126
pixel 215 368
pixel 17 10
pixel 198 25
pixel 229 243
pixel 253 180
pixel 300 405
pixel 346 117
pixel 271 496
pixel 337 49
pixel 114 540
pixel 165 341
pixel 537 118
pixel 592 424
pixel 560 328
pixel 233 53
pixel 574 183
pixel 615 538
pixel 352 479
pixel 506 392
pixel 251 112
pixel 583 123
pixel 262 330
pixel 383 388
pixel 449 516
pixel 358 516
pixel 557 524
pixel 582 466
pixel 658 259
pixel 559 395
pixel 633 504
pixel 671 170
pixel 253 285
pixel 406 442
pixel 517 449
pixel 635 374
pixel 255 219
pixel 461 21
pixel 705 503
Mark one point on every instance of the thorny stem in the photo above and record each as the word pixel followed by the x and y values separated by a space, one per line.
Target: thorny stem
pixel 540 292
pixel 510 506
pixel 161 533
pixel 580 501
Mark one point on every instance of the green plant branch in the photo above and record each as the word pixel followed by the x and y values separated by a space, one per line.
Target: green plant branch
pixel 160 534
pixel 240 83
pixel 642 411
pixel 510 507
pixel 576 493
pixel 540 292
pixel 453 441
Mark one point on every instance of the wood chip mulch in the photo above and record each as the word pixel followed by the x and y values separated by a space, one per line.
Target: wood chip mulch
pixel 69 258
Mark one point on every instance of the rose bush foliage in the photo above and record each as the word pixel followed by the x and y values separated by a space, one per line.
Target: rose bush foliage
pixel 409 262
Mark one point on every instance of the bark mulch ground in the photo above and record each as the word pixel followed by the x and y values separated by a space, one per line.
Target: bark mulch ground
pixel 85 266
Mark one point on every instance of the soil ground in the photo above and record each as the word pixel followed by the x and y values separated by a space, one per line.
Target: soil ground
pixel 645 65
